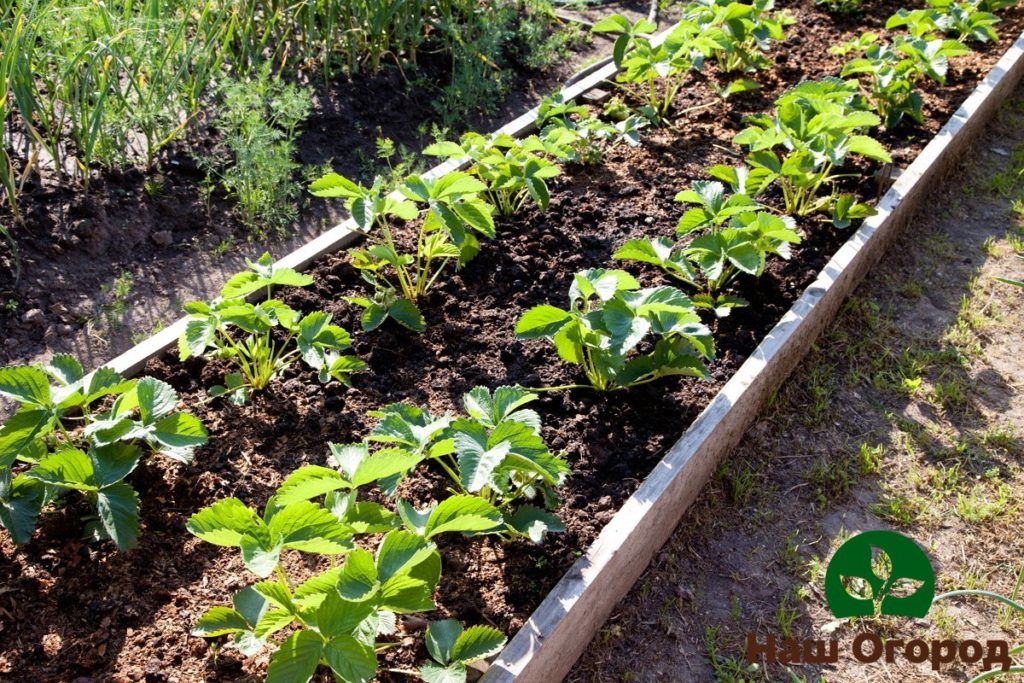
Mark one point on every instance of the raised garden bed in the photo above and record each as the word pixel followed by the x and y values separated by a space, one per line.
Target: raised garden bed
pixel 136 613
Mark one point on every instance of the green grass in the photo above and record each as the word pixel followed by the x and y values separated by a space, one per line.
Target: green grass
pixel 982 505
pixel 117 294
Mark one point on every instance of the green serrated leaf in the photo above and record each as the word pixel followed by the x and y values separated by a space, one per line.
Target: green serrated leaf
pixel 436 673
pixel 407 314
pixel 441 637
pixel 464 514
pixel 350 660
pixel 297 658
pixel 541 321
pixel 477 642
pixel 308 482
pixel 118 507
pixel 25 384
pixel 219 621
pixel 224 523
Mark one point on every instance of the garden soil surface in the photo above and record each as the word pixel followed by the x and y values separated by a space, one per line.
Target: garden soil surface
pixel 71 609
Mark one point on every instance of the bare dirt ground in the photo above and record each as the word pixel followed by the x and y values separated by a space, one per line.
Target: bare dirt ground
pixel 907 415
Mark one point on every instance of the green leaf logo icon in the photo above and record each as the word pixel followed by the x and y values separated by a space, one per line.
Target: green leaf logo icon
pixel 879 572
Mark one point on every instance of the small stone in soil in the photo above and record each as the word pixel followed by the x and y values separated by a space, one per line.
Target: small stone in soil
pixel 33 316
pixel 162 238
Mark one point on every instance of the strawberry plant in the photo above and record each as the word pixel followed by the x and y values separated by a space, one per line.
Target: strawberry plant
pixel 495 457
pixel 714 206
pixel 607 319
pixel 572 134
pixel 452 648
pixel 513 171
pixel 961 19
pixel 300 525
pixel 85 435
pixel 740 236
pixel 893 71
pixel 454 212
pixel 748 30
pixel 246 334
pixel 648 66
pixel 719 256
pixel 504 478
pixel 335 617
pixel 813 130
pixel 741 248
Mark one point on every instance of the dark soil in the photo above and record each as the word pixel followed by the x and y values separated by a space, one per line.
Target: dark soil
pixel 72 609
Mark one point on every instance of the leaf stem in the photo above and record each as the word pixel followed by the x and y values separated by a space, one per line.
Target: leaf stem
pixel 561 387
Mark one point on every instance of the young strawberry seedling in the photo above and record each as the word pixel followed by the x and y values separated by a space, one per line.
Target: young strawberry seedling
pixel 642 64
pixel 246 334
pixel 748 31
pixel 815 126
pixel 895 69
pixel 573 135
pixel 961 20
pixel 503 475
pixel 335 617
pixel 513 171
pixel 608 316
pixel 496 454
pixel 739 237
pixel 85 434
pixel 455 212
pixel 453 648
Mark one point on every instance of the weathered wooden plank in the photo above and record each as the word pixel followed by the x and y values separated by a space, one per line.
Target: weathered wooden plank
pixel 563 625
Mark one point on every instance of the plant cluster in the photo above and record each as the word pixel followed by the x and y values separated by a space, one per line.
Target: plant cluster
pixel 749 30
pixel 93 83
pixel 261 340
pixel 572 134
pixel 449 212
pixel 335 618
pixel 259 120
pixel 894 69
pixel 84 434
pixel 512 171
pixel 497 462
pixel 841 6
pixel 608 318
pixel 961 19
pixel 739 236
pixel 660 70
pixel 497 37
pixel 734 35
pixel 799 148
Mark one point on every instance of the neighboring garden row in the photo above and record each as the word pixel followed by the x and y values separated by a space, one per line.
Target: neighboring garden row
pixel 84 435
pixel 89 87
